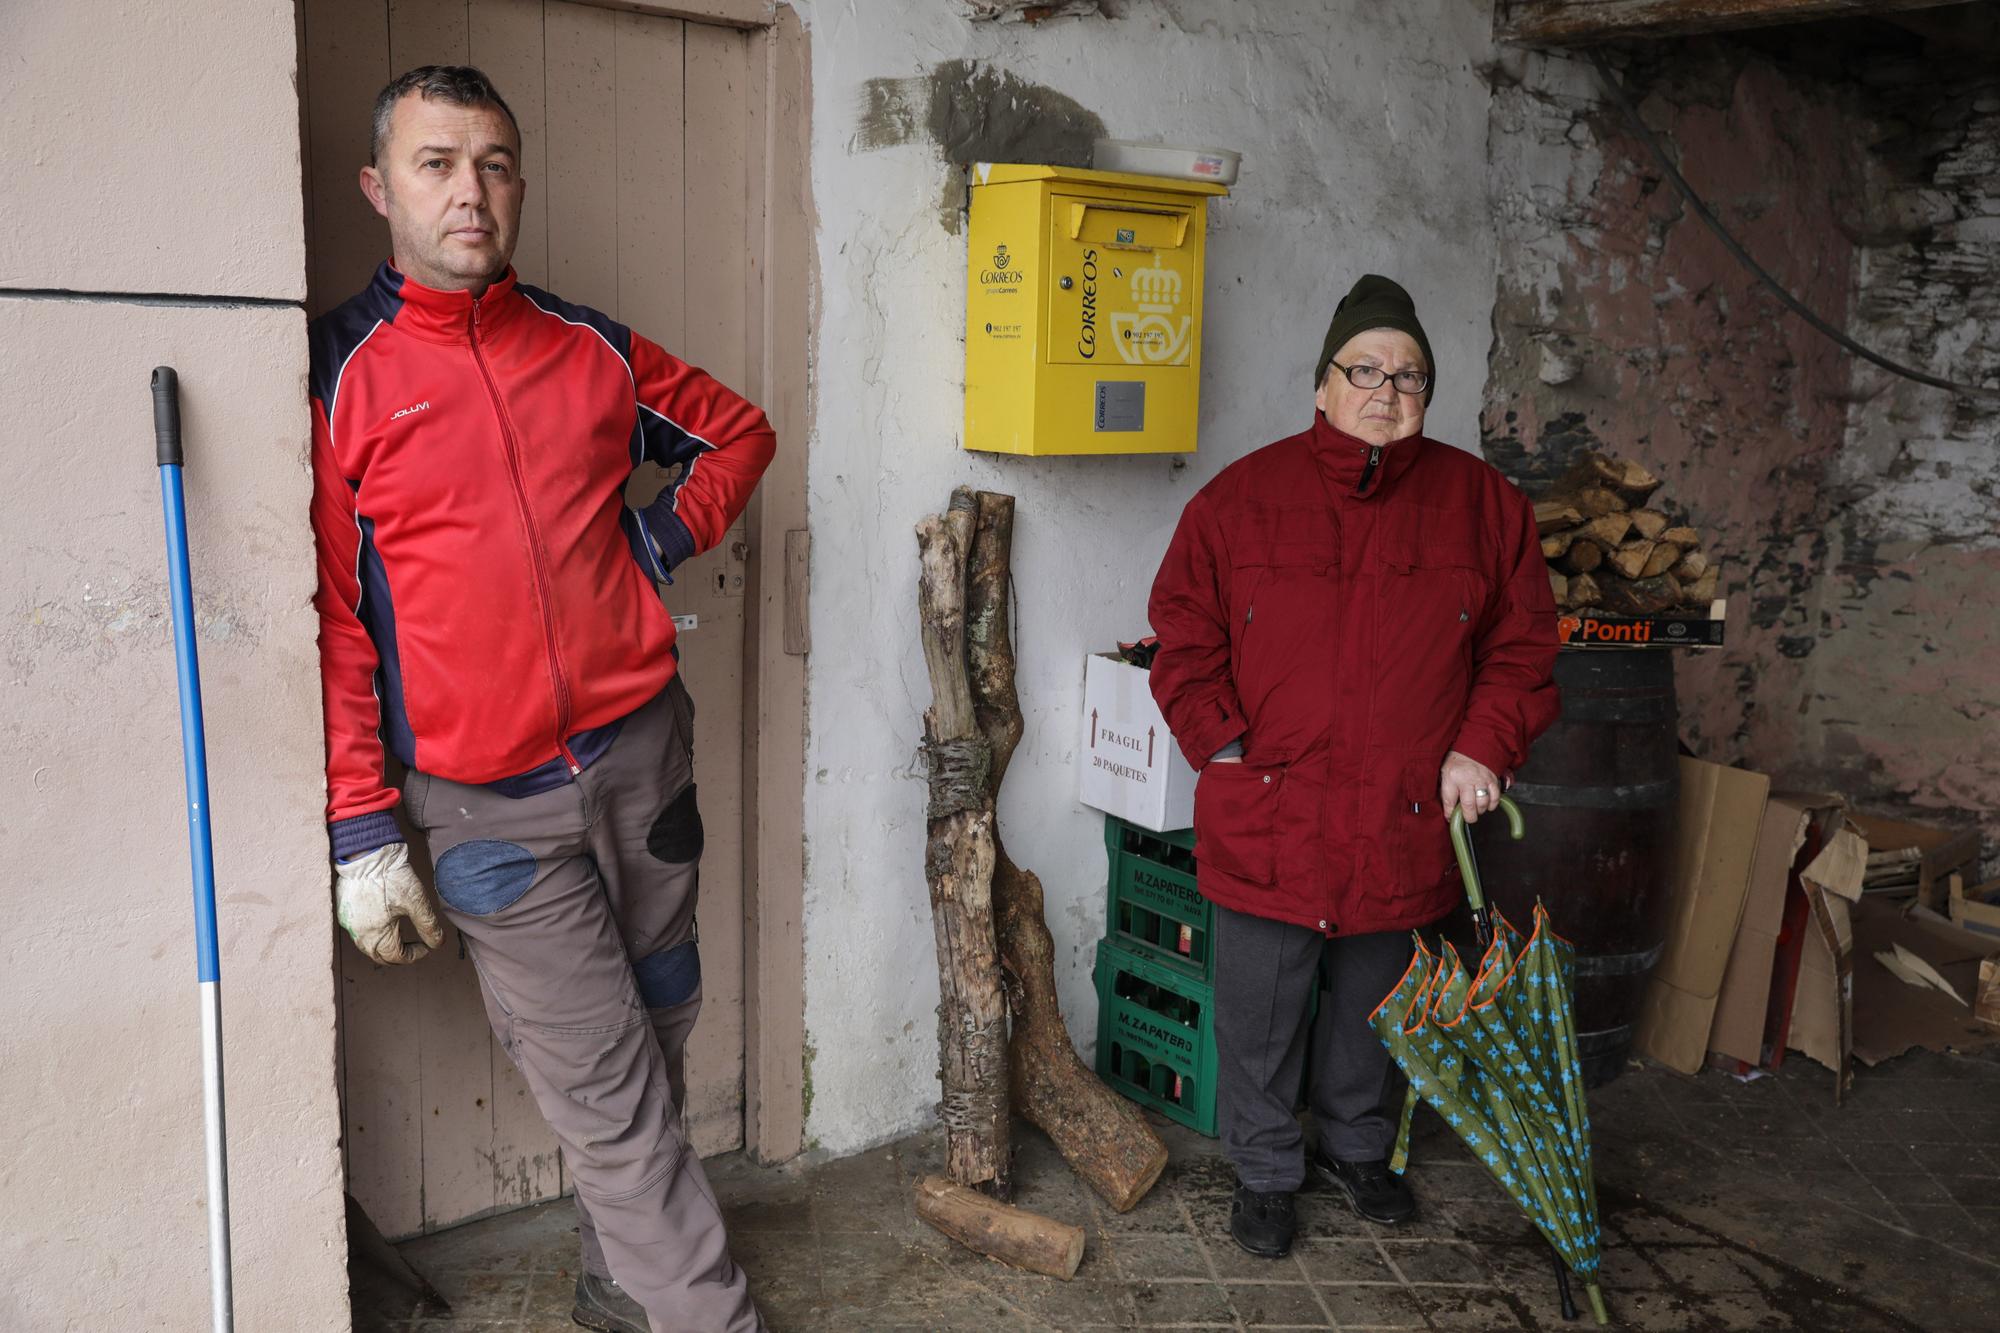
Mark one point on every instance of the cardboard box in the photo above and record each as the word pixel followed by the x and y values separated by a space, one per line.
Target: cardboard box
pixel 1940 851
pixel 1721 818
pixel 1129 765
pixel 1587 629
pixel 1742 1008
pixel 1892 1016
pixel 1977 908
pixel 1822 1025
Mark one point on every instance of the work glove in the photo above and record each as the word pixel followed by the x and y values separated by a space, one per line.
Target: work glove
pixel 374 893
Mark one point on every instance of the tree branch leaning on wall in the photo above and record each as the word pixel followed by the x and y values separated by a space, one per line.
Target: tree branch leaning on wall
pixel 958 864
pixel 1101 1135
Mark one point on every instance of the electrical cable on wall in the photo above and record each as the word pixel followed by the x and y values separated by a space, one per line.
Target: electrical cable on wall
pixel 1797 306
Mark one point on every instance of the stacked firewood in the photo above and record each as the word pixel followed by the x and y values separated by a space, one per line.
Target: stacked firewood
pixel 1610 551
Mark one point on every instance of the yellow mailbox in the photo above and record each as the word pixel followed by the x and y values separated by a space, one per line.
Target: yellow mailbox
pixel 1083 311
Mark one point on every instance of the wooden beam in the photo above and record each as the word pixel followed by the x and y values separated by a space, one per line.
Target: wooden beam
pixel 1964 32
pixel 774 843
pixel 1582 22
pixel 724 13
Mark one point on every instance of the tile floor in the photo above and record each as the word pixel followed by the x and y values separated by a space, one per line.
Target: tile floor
pixel 1725 1206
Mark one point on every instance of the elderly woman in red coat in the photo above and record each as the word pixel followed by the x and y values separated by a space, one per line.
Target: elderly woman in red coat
pixel 1356 637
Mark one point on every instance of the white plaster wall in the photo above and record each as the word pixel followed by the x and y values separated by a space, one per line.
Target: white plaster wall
pixel 1363 130
pixel 154 147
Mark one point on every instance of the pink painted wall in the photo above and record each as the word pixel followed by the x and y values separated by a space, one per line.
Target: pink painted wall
pixel 153 147
pixel 1622 324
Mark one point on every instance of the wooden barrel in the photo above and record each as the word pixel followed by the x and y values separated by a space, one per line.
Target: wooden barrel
pixel 1599 795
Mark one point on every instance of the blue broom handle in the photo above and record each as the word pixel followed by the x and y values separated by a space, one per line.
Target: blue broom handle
pixel 194 746
pixel 201 847
pixel 1461 846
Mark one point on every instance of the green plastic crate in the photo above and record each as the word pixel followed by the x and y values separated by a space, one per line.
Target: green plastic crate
pixel 1156 1035
pixel 1155 910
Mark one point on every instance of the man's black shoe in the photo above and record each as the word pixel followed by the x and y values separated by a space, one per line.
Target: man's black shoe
pixel 602 1304
pixel 1372 1189
pixel 1263 1223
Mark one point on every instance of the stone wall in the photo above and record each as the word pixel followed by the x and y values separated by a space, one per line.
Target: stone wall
pixel 1905 692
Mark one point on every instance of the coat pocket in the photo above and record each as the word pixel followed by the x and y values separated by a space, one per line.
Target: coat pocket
pixel 1236 820
pixel 1421 842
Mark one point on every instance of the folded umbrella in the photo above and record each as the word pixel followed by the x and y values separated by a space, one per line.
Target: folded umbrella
pixel 1494 1052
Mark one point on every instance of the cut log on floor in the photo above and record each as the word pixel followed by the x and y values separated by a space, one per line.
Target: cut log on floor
pixel 1556 543
pixel 1639 597
pixel 1584 592
pixel 1101 1135
pixel 1583 556
pixel 958 863
pixel 1559 585
pixel 1011 1235
pixel 1692 566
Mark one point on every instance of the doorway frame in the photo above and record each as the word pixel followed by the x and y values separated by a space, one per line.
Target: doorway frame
pixel 777 629
pixel 780 328
pixel 777 637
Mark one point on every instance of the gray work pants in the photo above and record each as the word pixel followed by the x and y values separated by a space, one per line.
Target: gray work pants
pixel 1265 975
pixel 578 908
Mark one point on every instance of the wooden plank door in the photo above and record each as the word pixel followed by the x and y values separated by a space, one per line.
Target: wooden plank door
pixel 639 150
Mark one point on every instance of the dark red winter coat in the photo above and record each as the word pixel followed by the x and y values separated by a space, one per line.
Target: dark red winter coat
pixel 1352 613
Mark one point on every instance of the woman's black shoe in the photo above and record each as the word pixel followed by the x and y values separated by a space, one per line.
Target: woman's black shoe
pixel 1263 1223
pixel 1375 1192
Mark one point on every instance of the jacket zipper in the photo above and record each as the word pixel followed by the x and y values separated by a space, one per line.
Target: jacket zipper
pixel 1368 468
pixel 538 558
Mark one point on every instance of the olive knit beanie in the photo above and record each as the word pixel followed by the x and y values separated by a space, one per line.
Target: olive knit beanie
pixel 1375 302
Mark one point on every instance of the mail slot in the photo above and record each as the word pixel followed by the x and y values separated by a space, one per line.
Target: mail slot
pixel 1083 311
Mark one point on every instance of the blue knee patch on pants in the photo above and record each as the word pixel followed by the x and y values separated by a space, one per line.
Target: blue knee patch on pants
pixel 669 977
pixel 480 877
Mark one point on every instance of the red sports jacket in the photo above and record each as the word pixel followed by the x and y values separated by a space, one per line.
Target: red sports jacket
pixel 1352 613
pixel 487 601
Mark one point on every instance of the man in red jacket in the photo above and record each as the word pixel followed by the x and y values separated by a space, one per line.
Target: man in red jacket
pixel 489 615
pixel 1356 637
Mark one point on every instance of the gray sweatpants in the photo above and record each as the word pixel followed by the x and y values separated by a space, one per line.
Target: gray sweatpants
pixel 578 907
pixel 1265 975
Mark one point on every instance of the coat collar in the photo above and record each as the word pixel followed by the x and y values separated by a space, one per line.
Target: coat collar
pixel 1354 467
pixel 442 316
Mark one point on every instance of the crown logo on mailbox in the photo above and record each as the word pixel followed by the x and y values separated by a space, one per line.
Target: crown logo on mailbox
pixel 1001 258
pixel 1156 289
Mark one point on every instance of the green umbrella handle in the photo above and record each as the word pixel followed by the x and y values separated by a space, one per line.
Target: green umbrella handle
pixel 1468 869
